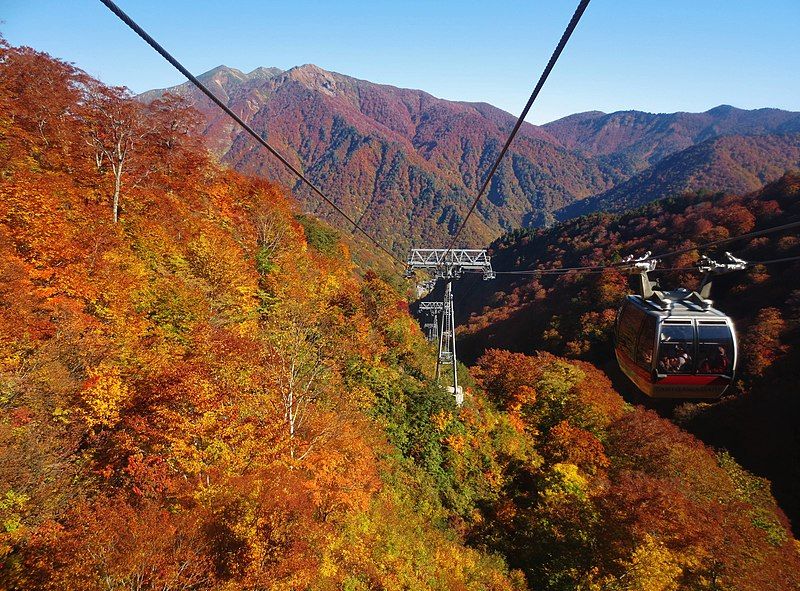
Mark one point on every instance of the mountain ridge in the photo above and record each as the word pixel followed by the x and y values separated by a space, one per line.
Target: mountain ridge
pixel 741 164
pixel 412 158
pixel 409 163
pixel 670 132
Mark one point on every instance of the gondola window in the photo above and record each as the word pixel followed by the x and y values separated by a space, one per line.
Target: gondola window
pixel 676 350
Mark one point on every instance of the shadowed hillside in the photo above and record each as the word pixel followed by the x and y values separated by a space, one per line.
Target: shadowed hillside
pixel 574 314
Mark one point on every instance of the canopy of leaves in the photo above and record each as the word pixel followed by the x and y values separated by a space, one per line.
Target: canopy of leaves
pixel 191 397
pixel 623 499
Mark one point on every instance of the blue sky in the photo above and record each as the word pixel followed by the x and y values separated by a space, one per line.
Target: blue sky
pixel 652 55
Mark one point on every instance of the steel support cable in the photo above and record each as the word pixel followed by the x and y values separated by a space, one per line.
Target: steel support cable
pixel 594 270
pixel 705 245
pixel 542 79
pixel 754 234
pixel 588 270
pixel 204 89
pixel 774 261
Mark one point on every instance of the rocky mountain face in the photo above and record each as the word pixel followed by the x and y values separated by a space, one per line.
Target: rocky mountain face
pixel 408 164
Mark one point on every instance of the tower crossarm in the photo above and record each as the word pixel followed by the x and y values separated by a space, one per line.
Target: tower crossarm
pixel 447 263
pixel 431 307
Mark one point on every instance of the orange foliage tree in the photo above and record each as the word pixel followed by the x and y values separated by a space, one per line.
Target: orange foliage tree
pixel 189 386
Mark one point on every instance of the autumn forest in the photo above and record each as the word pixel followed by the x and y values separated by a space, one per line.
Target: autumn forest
pixel 202 389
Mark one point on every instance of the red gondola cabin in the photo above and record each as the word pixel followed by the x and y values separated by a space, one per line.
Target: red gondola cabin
pixel 675 345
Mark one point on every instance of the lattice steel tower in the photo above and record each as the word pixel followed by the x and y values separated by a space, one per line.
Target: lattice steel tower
pixel 448 264
pixel 432 328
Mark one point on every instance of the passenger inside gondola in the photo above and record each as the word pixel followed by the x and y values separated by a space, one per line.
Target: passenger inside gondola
pixel 715 349
pixel 674 359
pixel 717 362
pixel 673 352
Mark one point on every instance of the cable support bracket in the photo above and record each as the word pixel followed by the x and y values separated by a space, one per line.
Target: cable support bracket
pixel 709 265
pixel 642 264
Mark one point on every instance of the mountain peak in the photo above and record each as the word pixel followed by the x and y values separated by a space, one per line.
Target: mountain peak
pixel 313 77
pixel 722 110
pixel 309 68
pixel 222 70
pixel 263 73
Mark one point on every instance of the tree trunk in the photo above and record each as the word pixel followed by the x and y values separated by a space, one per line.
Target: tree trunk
pixel 117 186
pixel 120 151
pixel 290 418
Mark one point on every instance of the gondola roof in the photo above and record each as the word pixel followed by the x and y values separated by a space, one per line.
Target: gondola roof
pixel 680 302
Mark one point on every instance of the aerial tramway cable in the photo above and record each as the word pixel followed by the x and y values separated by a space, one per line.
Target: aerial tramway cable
pixel 753 234
pixel 600 268
pixel 542 79
pixel 776 261
pixel 594 270
pixel 204 89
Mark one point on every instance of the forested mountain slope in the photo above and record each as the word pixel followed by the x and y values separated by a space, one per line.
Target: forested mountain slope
pixel 739 164
pixel 574 314
pixel 405 160
pixel 410 164
pixel 200 393
pixel 194 397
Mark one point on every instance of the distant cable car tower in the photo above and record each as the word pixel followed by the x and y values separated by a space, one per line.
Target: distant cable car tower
pixel 432 328
pixel 448 264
